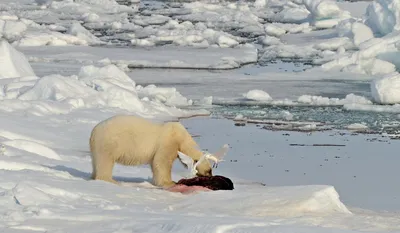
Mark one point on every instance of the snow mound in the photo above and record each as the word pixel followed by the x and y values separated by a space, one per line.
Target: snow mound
pixel 278 201
pixel 110 73
pixel 385 90
pixel 257 95
pixel 89 90
pixel 13 63
pixel 56 88
pixel 383 16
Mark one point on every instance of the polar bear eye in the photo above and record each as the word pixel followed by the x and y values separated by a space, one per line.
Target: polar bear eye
pixel 195 161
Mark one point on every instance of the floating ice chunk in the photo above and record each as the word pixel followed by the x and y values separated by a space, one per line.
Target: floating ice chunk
pixel 273 30
pixel 167 96
pixel 295 15
pixel 12 29
pixel 354 30
pixel 385 90
pixel 51 38
pixel 225 41
pixel 90 17
pixel 4 15
pixel 290 51
pixel 260 3
pixel 325 13
pixel 334 43
pixel 377 66
pixel 373 108
pixel 325 101
pixel 44 3
pixel 142 42
pixel 321 9
pixel 257 95
pixel 352 98
pixel 357 126
pixel 191 40
pixel 239 117
pixel 361 33
pixel 77 30
pixel 206 101
pixel 383 16
pixel 373 57
pixel 13 63
pixel 299 28
pixel 270 40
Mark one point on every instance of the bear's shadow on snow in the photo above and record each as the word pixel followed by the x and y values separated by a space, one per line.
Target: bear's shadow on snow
pixel 86 175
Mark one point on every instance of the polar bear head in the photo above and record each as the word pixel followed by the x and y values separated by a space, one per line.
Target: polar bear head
pixel 203 168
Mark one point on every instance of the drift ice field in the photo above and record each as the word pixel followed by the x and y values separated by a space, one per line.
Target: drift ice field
pixel 314 85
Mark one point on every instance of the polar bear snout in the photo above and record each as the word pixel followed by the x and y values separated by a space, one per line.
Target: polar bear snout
pixel 205 173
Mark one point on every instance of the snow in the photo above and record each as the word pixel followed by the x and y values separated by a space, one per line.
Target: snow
pixel 66 65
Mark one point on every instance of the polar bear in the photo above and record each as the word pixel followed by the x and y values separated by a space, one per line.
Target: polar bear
pixel 132 140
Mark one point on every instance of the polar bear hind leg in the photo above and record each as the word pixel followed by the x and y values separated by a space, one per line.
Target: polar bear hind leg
pixel 103 168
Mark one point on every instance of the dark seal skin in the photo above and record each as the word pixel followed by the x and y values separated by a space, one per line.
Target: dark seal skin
pixel 209 182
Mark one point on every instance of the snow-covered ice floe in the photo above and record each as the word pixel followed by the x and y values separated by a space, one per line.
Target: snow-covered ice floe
pixel 160 57
pixel 51 190
pixel 105 86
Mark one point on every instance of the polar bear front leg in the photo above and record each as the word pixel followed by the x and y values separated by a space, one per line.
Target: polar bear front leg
pixel 161 167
